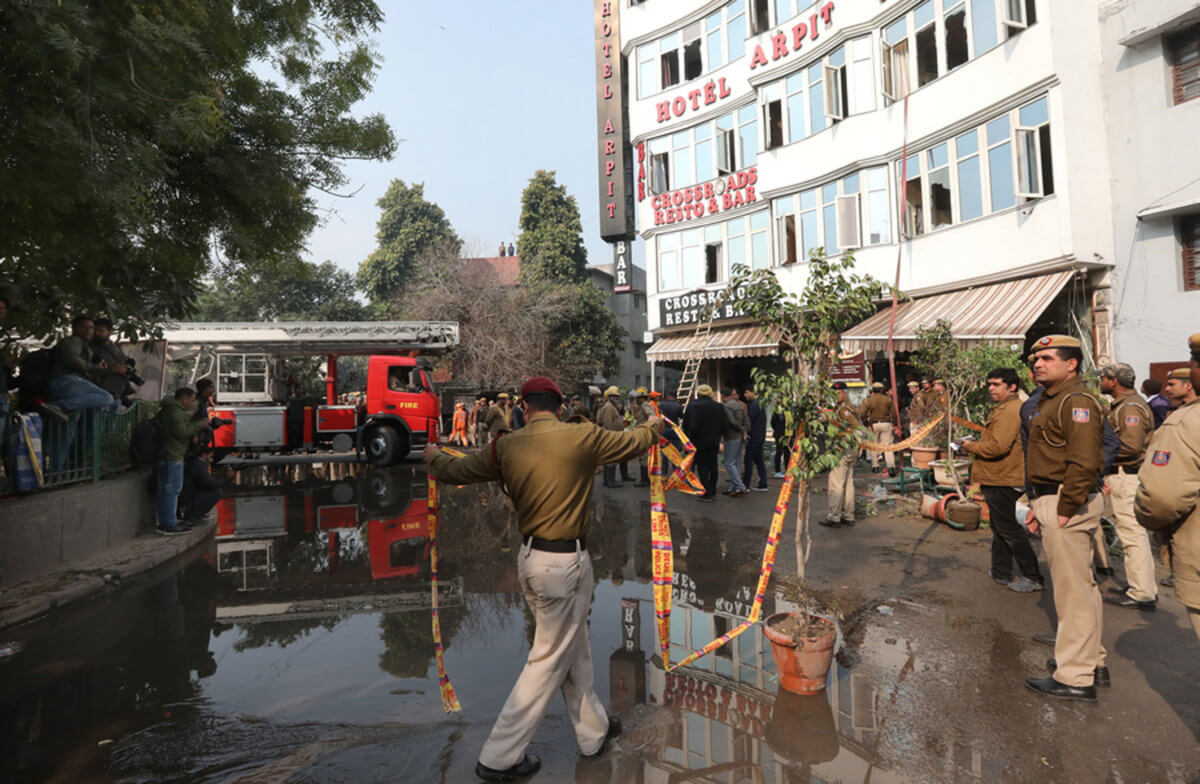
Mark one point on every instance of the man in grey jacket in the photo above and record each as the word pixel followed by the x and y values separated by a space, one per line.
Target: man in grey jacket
pixel 737 424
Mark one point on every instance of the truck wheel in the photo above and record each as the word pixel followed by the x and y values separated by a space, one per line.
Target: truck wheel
pixel 385 445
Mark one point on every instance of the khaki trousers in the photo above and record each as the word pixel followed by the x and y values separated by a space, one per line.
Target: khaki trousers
pixel 883 436
pixel 558 589
pixel 1135 540
pixel 1077 602
pixel 841 490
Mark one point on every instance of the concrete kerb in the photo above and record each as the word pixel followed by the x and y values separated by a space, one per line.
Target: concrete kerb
pixel 86 579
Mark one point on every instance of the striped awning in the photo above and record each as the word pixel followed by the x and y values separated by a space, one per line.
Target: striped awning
pixel 995 313
pixel 728 343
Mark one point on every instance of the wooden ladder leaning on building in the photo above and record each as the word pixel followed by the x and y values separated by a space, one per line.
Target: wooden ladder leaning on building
pixel 700 343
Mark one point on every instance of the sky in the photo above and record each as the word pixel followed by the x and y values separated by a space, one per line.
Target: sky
pixel 481 96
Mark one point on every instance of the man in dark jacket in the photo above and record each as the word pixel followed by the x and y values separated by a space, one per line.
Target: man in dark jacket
pixel 704 422
pixel 177 427
pixel 755 438
pixel 783 452
pixel 114 378
pixel 671 408
pixel 201 487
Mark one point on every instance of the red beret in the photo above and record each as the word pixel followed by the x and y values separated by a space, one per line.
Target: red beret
pixel 540 384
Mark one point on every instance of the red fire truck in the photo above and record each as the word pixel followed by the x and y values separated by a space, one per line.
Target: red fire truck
pixel 399 413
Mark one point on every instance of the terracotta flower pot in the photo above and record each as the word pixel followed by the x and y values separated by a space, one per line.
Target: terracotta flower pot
pixel 922 456
pixel 802 665
pixel 963 514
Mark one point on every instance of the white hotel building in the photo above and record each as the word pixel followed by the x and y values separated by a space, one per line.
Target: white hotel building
pixel 1031 166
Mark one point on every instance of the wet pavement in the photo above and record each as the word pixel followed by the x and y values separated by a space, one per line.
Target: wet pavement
pixel 297 648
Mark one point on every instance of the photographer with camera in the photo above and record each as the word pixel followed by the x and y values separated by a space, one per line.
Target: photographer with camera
pixel 74 378
pixel 118 377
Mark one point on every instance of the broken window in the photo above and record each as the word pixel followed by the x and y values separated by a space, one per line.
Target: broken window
pixel 693 62
pixel 760 16
pixel 913 219
pixel 773 114
pixel 927 65
pixel 955 26
pixel 941 196
pixel 712 262
pixel 669 67
pixel 660 172
pixel 1189 236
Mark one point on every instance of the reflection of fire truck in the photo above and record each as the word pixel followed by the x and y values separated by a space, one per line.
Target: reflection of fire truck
pixel 399 413
pixel 252 524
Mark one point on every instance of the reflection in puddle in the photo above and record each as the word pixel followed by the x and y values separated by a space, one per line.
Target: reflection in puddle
pixel 300 649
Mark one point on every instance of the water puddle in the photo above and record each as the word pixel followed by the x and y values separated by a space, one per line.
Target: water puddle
pixel 299 649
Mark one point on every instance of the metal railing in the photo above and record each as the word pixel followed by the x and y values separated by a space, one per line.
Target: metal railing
pixel 87 447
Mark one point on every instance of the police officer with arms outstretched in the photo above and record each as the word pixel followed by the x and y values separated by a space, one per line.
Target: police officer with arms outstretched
pixel 548 468
pixel 1062 470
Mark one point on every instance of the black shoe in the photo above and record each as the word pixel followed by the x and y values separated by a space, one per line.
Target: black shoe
pixel 1048 687
pixel 614 731
pixel 1168 581
pixel 1101 674
pixel 1045 638
pixel 831 523
pixel 848 523
pixel 1118 590
pixel 1124 600
pixel 761 487
pixel 707 499
pixel 1107 571
pixel 174 530
pixel 523 769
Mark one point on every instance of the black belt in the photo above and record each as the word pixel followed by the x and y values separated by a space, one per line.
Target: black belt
pixel 555 545
pixel 1039 490
pixel 1121 469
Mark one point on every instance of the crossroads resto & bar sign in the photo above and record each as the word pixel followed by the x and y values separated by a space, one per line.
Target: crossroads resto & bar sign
pixel 691 308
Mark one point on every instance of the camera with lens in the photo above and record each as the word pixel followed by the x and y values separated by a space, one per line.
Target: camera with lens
pixel 216 422
pixel 131 375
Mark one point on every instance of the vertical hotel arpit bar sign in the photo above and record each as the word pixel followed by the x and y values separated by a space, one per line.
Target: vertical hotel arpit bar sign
pixel 616 167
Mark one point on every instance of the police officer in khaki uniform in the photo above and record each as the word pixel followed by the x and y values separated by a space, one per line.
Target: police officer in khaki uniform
pixel 498 418
pixel 1168 494
pixel 1133 422
pixel 876 414
pixel 841 476
pixel 548 467
pixel 608 417
pixel 642 411
pixel 1063 472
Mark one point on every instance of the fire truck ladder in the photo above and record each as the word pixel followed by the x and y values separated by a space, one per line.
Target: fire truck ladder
pixel 700 344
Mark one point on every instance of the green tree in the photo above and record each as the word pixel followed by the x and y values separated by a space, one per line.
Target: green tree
pixel 408 226
pixel 551 241
pixel 293 291
pixel 140 139
pixel 586 338
pixel 807 325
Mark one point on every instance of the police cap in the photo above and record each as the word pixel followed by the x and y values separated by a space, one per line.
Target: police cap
pixel 704 390
pixel 1120 371
pixel 540 384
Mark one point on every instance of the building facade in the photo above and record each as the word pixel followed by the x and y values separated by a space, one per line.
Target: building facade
pixel 968 149
pixel 630 309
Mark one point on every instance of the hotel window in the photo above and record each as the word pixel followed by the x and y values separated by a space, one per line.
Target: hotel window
pixel 980 171
pixel 820 94
pixel 1018 14
pixel 773 114
pixel 836 95
pixel 912 222
pixel 692 258
pixel 704 152
pixel 939 36
pixel 760 16
pixel 833 216
pixel 1035 172
pixel 690 53
pixel 1189 236
pixel 660 164
pixel 748 136
pixel 1184 49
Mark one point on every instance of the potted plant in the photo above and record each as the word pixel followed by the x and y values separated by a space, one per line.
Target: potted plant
pixel 807 326
pixel 802 644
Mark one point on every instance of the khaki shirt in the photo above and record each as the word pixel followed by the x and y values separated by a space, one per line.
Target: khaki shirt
pixel 549 469
pixel 876 408
pixel 917 408
pixel 1133 420
pixel 1168 495
pixel 609 418
pixel 497 420
pixel 1066 444
pixel 999 459
pixel 642 412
